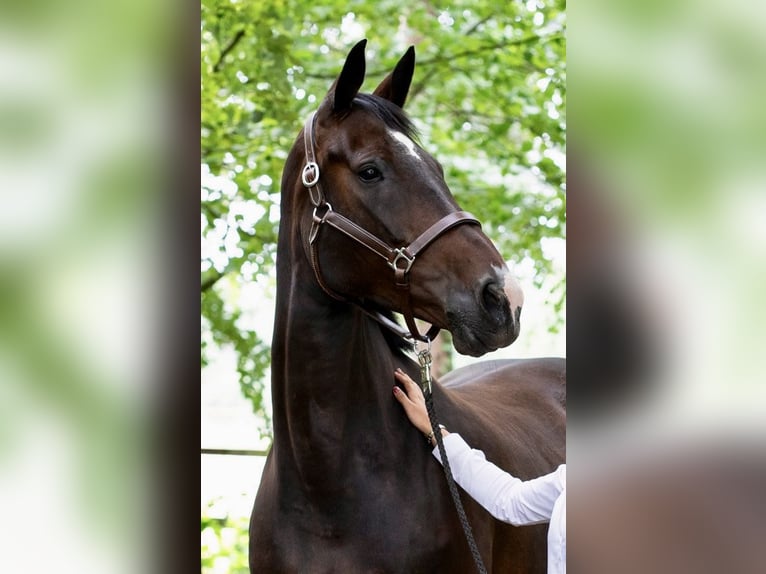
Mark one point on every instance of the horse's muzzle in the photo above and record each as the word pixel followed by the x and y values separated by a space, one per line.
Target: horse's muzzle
pixel 488 320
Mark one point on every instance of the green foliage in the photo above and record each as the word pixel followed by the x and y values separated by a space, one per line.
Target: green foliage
pixel 224 544
pixel 253 354
pixel 488 97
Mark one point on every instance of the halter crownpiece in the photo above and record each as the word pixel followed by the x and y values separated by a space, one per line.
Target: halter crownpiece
pixel 399 259
pixel 310 174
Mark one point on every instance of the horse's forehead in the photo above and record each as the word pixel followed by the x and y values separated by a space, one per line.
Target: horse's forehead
pixel 406 143
pixel 367 131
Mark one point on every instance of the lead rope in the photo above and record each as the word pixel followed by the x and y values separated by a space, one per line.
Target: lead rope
pixel 424 358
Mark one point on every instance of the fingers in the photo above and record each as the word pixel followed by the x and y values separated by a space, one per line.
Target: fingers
pixel 403 377
pixel 409 385
pixel 402 397
pixel 412 400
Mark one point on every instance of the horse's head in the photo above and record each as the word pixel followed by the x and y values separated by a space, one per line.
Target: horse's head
pixel 360 166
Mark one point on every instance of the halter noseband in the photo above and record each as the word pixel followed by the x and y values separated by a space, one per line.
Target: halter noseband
pixel 400 259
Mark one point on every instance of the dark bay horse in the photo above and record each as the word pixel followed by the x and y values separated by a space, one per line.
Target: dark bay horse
pixel 349 485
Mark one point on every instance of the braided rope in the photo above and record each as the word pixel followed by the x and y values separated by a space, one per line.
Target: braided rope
pixel 452 486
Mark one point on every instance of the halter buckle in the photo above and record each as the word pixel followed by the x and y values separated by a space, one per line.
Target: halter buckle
pixel 401 254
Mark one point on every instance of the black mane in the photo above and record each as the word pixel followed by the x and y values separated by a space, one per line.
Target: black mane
pixel 390 114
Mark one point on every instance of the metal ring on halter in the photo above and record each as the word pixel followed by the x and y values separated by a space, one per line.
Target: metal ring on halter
pixel 424 355
pixel 313 167
pixel 320 219
pixel 400 254
pixel 317 220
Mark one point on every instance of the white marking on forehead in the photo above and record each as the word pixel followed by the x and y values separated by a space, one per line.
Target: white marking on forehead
pixel 407 142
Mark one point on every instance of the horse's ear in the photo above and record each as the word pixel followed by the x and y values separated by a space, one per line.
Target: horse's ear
pixel 395 86
pixel 350 80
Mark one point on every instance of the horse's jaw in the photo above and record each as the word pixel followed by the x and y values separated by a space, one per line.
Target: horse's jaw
pixel 475 340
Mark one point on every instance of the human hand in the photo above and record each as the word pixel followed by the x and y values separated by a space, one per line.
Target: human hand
pixel 413 402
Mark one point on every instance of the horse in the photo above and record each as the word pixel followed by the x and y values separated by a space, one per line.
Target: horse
pixel 369 228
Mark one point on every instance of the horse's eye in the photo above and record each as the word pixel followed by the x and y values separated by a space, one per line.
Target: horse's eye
pixel 370 173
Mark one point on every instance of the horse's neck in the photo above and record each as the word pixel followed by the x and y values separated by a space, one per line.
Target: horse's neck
pixel 332 375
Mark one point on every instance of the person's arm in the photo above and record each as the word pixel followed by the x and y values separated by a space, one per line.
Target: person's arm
pixel 504 496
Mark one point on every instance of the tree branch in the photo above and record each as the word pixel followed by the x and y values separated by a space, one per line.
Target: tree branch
pixel 450 57
pixel 210 281
pixel 485 48
pixel 210 211
pixel 473 28
pixel 229 47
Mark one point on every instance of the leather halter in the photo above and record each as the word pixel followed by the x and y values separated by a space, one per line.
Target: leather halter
pixel 400 259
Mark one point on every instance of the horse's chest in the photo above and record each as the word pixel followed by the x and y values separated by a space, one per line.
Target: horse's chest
pixel 361 552
pixel 380 526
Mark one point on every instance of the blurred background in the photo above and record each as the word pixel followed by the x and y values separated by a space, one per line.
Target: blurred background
pixel 666 277
pixel 85 122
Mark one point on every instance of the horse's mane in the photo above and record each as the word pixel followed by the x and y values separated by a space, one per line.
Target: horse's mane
pixel 390 114
pixel 397 344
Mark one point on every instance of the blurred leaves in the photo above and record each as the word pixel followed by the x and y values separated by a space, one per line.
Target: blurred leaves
pixel 670 101
pixel 81 149
pixel 224 543
pixel 488 97
pixel 666 395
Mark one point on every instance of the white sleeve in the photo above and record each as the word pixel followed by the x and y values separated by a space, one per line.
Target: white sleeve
pixel 504 496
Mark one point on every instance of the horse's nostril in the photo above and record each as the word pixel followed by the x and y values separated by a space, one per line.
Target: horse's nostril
pixel 493 295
